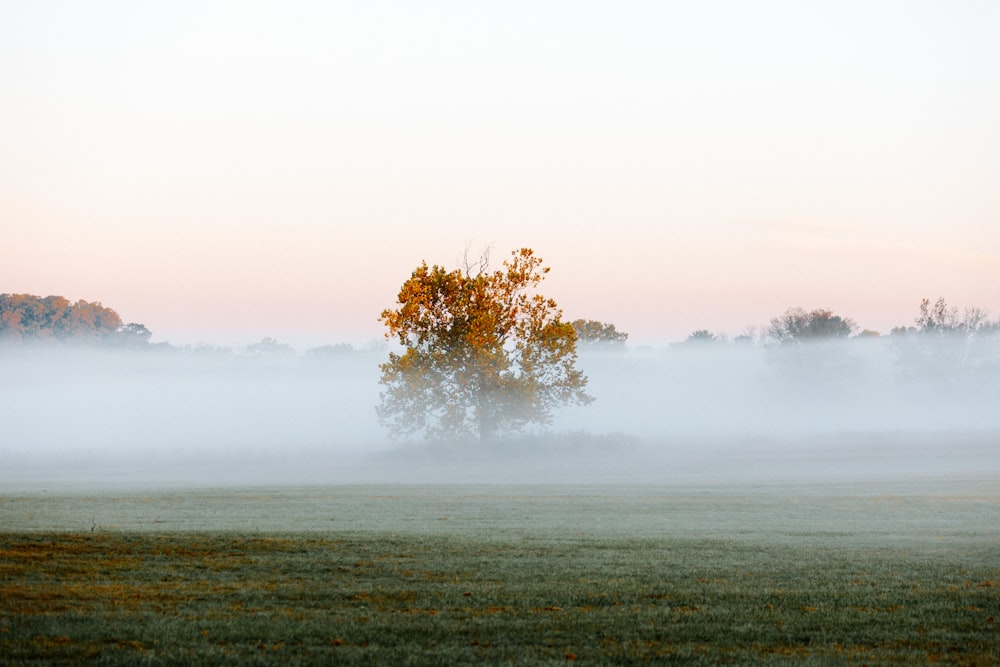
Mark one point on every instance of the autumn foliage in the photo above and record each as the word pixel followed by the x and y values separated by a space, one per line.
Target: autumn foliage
pixel 30 318
pixel 593 332
pixel 483 352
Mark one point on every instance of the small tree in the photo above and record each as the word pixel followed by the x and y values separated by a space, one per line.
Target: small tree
pixel 594 332
pixel 268 347
pixel 134 335
pixel 702 337
pixel 942 319
pixel 483 352
pixel 809 354
pixel 798 326
pixel 947 350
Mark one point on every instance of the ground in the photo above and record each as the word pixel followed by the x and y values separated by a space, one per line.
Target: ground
pixel 828 573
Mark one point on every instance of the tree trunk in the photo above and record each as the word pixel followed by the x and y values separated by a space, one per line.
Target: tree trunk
pixel 487 423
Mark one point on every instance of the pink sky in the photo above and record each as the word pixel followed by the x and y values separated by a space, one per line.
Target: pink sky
pixel 226 171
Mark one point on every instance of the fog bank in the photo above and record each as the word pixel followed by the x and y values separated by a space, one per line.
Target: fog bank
pixel 859 409
pixel 706 390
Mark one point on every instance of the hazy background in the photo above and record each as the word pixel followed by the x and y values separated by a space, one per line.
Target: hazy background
pixel 224 171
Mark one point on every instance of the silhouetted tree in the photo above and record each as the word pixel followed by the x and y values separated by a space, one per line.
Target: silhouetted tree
pixel 134 335
pixel 701 337
pixel 749 335
pixel 798 326
pixel 483 352
pixel 949 351
pixel 810 354
pixel 268 347
pixel 939 318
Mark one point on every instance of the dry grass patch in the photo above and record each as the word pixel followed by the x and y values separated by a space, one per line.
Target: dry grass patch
pixel 359 598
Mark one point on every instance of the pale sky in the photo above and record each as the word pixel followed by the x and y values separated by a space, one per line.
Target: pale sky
pixel 224 171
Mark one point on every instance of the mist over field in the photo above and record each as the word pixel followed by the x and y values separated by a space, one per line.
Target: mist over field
pixel 804 390
pixel 861 408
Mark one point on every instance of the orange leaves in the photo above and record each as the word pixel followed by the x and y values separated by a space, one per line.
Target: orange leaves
pixel 483 352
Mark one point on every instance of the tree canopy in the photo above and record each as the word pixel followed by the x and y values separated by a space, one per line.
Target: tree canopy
pixel 701 337
pixel 943 320
pixel 592 332
pixel 798 326
pixel 26 317
pixel 483 352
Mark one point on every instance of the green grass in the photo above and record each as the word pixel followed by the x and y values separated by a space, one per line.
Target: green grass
pixel 468 588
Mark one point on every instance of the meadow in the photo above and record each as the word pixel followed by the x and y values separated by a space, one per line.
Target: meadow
pixel 828 572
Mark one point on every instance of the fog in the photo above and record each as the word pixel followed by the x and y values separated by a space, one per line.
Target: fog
pixel 747 390
pixel 860 409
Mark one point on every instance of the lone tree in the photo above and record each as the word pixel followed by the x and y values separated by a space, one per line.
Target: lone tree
pixel 484 352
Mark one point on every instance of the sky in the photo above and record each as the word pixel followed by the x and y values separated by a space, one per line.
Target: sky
pixel 225 171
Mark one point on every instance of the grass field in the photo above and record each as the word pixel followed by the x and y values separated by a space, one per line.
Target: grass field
pixel 780 574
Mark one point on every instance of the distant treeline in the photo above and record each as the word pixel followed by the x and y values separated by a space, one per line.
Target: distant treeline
pixel 26 318
pixel 796 325
pixel 807 370
pixel 30 318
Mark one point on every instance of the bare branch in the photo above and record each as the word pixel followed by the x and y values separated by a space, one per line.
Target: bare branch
pixel 473 268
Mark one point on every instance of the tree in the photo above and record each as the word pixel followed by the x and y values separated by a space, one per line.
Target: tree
pixel 749 336
pixel 940 319
pixel 483 352
pixel 26 317
pixel 134 335
pixel 593 332
pixel 268 347
pixel 949 351
pixel 701 337
pixel 810 355
pixel 798 326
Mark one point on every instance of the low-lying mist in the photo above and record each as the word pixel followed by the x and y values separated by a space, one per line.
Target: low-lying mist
pixel 707 390
pixel 844 410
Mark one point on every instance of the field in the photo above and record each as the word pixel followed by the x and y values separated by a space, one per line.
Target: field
pixel 825 573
